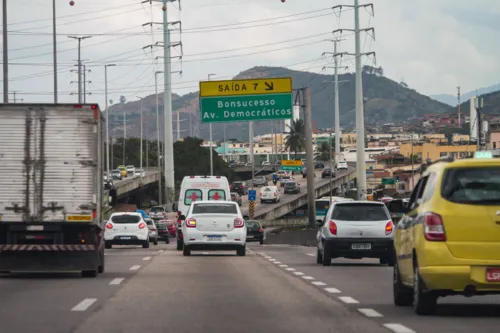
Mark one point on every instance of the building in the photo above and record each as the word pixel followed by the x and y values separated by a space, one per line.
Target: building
pixel 434 151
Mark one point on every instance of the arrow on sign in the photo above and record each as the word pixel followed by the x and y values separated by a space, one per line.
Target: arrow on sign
pixel 269 86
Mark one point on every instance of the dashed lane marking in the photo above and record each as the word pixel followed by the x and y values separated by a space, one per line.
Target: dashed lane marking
pixel 348 300
pixel 290 269
pixel 283 266
pixel 308 278
pixel 370 313
pixel 135 267
pixel 277 262
pixel 146 258
pixel 318 283
pixel 298 273
pixel 332 290
pixel 116 281
pixel 398 328
pixel 311 255
pixel 84 305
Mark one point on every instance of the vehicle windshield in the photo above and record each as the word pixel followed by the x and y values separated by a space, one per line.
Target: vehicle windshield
pixel 326 169
pixel 209 208
pixel 124 219
pixel 252 224
pixel 149 222
pixel 156 209
pixel 267 189
pixel 479 185
pixel 290 184
pixel 322 205
pixel 359 212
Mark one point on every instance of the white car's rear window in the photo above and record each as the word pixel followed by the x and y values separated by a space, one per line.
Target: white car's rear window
pixel 209 208
pixel 125 219
pixel 359 212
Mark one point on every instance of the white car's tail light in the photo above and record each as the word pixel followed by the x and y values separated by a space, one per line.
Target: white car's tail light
pixel 142 225
pixel 239 223
pixel 389 227
pixel 109 225
pixel 333 228
pixel 191 223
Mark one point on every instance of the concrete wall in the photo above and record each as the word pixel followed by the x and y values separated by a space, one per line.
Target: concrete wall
pixel 132 184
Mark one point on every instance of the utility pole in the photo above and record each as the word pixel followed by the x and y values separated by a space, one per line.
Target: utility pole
pixel 211 153
pixel 124 135
pixel 158 149
pixel 140 158
pixel 250 134
pixel 85 83
pixel 5 54
pixel 458 105
pixel 331 166
pixel 360 118
pixel 79 65
pixel 107 117
pixel 14 93
pixel 306 104
pixel 478 105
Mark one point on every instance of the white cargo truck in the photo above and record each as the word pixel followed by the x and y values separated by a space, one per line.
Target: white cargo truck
pixel 51 188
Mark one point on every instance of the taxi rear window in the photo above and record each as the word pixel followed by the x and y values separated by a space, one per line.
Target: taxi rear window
pixel 479 185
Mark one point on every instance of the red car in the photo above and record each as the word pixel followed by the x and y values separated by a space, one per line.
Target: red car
pixel 172 229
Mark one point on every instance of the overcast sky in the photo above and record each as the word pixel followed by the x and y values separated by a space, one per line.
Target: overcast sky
pixel 432 45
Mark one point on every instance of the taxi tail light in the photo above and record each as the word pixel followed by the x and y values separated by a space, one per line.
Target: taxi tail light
pixel 142 225
pixel 239 223
pixel 191 223
pixel 109 226
pixel 434 228
pixel 389 227
pixel 333 228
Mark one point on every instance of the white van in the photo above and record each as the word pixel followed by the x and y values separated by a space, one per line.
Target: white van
pixel 269 193
pixel 202 188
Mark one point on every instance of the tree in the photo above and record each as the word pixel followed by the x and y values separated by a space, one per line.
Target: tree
pixel 296 139
pixel 323 152
pixel 123 99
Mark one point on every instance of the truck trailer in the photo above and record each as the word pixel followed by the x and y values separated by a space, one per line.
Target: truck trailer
pixel 51 188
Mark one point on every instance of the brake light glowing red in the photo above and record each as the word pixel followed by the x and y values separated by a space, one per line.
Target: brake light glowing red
pixel 94 214
pixel 239 222
pixel 242 186
pixel 93 107
pixel 191 223
pixel 434 228
pixel 142 225
pixel 333 228
pixel 78 106
pixel 218 177
pixel 191 176
pixel 389 227
pixel 261 230
pixel 109 226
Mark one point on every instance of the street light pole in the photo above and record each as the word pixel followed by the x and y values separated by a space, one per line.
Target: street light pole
pixel 140 158
pixel 54 48
pixel 5 54
pixel 211 153
pixel 107 116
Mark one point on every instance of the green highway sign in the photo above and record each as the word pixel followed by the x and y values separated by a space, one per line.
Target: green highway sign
pixel 388 181
pixel 246 100
pixel 291 168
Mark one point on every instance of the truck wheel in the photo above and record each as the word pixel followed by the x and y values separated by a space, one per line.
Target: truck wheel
pixel 89 274
pixel 100 268
pixel 145 245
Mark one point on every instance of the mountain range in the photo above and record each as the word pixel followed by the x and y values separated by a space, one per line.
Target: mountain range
pixel 452 100
pixel 386 101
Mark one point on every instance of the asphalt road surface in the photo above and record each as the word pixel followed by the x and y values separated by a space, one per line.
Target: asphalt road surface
pixel 273 289
pixel 284 198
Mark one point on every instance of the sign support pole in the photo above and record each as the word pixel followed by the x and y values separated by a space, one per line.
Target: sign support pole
pixel 311 204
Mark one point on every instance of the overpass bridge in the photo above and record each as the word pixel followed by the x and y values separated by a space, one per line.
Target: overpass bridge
pixel 290 202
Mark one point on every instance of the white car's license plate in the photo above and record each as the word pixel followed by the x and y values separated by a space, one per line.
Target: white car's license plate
pixel 362 246
pixel 214 238
pixel 249 236
pixel 124 237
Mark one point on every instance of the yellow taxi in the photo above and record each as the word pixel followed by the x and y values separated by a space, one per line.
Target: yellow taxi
pixel 448 241
pixel 123 170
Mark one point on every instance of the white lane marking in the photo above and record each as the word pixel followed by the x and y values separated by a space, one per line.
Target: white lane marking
pixel 290 269
pixel 332 290
pixel 311 255
pixel 84 305
pixel 146 258
pixel 283 266
pixel 135 267
pixel 161 251
pixel 116 281
pixel 277 262
pixel 308 278
pixel 398 328
pixel 271 260
pixel 318 283
pixel 348 300
pixel 298 273
pixel 370 313
pixel 204 253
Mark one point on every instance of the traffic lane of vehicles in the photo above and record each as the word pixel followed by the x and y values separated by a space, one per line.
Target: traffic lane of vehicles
pixel 224 293
pixel 288 197
pixel 43 303
pixel 370 284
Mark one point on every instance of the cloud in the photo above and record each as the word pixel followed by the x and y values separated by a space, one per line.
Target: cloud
pixel 433 45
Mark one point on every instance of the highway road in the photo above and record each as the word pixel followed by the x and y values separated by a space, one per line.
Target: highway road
pixel 129 179
pixel 273 289
pixel 287 197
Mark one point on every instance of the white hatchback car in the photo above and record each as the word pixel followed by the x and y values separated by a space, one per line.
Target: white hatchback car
pixel 355 230
pixel 342 165
pixel 269 193
pixel 211 225
pixel 126 229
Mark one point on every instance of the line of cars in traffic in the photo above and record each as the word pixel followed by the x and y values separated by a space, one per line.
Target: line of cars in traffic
pixel 442 241
pixel 121 172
